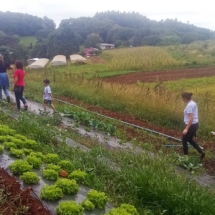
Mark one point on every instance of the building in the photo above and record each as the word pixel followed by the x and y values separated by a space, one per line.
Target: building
pixel 90 51
pixel 107 46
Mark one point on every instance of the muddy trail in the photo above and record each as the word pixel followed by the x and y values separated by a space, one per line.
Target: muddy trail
pixel 17 201
pixel 169 75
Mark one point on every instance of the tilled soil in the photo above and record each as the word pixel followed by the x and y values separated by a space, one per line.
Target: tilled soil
pixel 170 75
pixel 14 200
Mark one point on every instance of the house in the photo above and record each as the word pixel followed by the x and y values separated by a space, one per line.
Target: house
pixel 107 46
pixel 90 51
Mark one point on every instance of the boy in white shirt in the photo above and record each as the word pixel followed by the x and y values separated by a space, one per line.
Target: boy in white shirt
pixel 47 97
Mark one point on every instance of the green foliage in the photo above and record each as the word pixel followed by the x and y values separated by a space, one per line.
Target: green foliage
pixel 129 208
pixel 30 144
pixel 99 199
pixel 50 174
pixel 69 208
pixel 37 155
pixel 27 151
pixel 21 137
pixel 19 143
pixel 3 139
pixel 30 178
pixel 1 149
pixel 19 167
pixel 118 211
pixel 53 167
pixel 88 205
pixel 5 130
pixel 16 152
pixel 78 176
pixel 51 158
pixel 66 165
pixel 34 161
pixel 67 186
pixel 9 145
pixel 51 193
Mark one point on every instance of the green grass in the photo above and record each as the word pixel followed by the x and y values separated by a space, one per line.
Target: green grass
pixel 26 41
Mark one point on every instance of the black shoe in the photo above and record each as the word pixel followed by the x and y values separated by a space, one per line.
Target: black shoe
pixel 8 99
pixel 26 107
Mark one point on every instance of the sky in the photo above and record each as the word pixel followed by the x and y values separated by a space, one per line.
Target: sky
pixel 197 12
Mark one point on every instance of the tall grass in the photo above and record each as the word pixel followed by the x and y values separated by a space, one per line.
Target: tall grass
pixel 141 58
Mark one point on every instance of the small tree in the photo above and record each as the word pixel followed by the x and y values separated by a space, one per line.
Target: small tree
pixel 92 40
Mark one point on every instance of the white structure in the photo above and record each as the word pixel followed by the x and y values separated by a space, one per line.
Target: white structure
pixel 77 58
pixel 30 61
pixel 39 64
pixel 107 46
pixel 59 60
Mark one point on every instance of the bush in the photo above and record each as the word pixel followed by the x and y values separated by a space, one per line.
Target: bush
pixel 50 174
pixel 88 205
pixel 66 165
pixel 30 178
pixel 69 208
pixel 53 167
pixel 99 199
pixel 51 159
pixel 79 176
pixel 30 144
pixel 19 167
pixel 67 186
pixel 51 193
pixel 9 145
pixel 35 162
pixel 1 149
pixel 16 152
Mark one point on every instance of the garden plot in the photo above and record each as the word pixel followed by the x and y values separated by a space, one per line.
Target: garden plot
pixel 54 180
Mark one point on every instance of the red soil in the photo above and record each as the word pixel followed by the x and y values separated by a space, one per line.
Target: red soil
pixel 96 60
pixel 17 198
pixel 144 77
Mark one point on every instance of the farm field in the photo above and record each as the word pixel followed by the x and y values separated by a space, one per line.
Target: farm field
pixel 26 41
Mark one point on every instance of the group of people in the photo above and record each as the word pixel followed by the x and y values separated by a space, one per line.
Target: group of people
pixel 19 84
pixel 190 113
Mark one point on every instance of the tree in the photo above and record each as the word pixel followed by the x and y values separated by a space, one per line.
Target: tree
pixel 63 41
pixel 92 40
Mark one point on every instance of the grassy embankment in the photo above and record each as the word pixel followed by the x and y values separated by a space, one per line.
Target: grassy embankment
pixel 26 41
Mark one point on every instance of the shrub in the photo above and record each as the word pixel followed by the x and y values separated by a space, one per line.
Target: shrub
pixel 79 176
pixel 129 208
pixel 9 145
pixel 88 205
pixel 1 149
pixel 51 159
pixel 66 165
pixel 27 151
pixel 35 162
pixel 51 193
pixel 99 199
pixel 19 167
pixel 50 174
pixel 69 208
pixel 30 144
pixel 37 155
pixel 67 186
pixel 53 167
pixel 30 178
pixel 16 152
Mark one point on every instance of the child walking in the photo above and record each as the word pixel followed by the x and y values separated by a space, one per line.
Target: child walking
pixel 47 95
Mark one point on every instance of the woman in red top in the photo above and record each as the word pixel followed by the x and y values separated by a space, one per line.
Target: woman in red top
pixel 19 84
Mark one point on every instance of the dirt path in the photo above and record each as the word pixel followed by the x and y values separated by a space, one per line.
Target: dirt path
pixel 132 78
pixel 14 199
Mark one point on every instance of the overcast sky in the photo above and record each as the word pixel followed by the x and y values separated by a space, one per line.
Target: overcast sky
pixel 198 12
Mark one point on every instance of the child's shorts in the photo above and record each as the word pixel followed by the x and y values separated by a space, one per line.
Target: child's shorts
pixel 47 102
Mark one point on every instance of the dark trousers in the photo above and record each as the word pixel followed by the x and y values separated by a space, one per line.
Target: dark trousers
pixel 19 95
pixel 188 138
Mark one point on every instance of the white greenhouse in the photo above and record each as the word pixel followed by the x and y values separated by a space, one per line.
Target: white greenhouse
pixel 59 60
pixel 39 64
pixel 77 58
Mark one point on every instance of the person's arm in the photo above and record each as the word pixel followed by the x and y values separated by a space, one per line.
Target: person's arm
pixel 189 123
pixel 51 95
pixel 15 78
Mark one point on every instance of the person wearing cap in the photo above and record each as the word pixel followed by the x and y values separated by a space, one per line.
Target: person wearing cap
pixel 4 80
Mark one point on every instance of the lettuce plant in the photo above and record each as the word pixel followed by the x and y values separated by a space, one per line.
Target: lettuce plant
pixel 37 155
pixel 27 151
pixel 30 178
pixel 5 130
pixel 118 211
pixel 19 167
pixel 79 176
pixel 67 186
pixel 30 144
pixel 53 167
pixel 16 152
pixel 21 137
pixel 9 145
pixel 1 149
pixel 66 165
pixel 99 199
pixel 88 205
pixel 129 208
pixel 51 193
pixel 69 208
pixel 50 174
pixel 35 162
pixel 51 159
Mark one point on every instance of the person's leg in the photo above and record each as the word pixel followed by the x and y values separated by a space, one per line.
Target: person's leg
pixel 17 96
pixel 22 99
pixel 185 143
pixel 44 105
pixel 6 93
pixel 52 106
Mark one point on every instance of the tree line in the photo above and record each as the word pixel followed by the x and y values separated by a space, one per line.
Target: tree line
pixel 121 29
